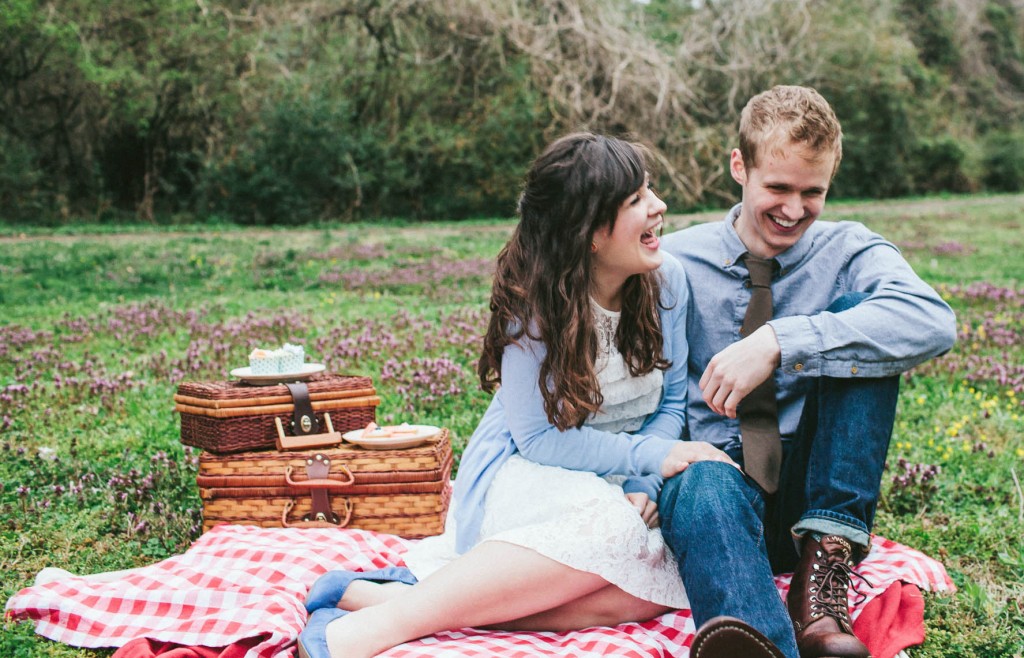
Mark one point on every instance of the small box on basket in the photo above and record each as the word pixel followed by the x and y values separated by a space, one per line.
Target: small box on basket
pixel 402 491
pixel 226 417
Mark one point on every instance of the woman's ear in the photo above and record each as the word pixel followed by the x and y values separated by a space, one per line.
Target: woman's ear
pixel 737 168
pixel 599 238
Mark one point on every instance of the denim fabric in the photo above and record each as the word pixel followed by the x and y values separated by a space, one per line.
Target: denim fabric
pixel 712 517
pixel 729 537
pixel 832 472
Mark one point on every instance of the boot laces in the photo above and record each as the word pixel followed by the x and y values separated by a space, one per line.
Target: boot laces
pixel 830 595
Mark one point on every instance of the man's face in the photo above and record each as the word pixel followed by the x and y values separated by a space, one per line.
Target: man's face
pixel 782 196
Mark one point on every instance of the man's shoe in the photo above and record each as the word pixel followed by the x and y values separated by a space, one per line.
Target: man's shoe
pixel 818 602
pixel 728 637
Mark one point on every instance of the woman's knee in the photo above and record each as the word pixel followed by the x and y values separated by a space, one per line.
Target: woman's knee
pixel 611 606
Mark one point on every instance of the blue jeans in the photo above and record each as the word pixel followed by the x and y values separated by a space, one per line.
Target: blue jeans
pixel 729 537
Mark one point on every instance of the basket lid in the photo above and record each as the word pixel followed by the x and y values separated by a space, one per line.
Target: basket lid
pixel 226 394
pixel 422 463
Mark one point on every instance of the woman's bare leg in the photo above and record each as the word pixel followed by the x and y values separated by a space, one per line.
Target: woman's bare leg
pixel 608 606
pixel 365 593
pixel 492 583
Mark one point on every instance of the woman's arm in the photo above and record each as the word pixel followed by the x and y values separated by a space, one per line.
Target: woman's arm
pixel 583 449
pixel 603 453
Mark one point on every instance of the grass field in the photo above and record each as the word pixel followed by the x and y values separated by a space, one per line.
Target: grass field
pixel 98 327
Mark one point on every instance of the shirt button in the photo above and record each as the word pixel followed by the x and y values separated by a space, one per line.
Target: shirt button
pixel 728 262
pixel 853 370
pixel 798 367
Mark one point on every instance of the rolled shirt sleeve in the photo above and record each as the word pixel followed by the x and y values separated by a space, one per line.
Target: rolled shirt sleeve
pixel 901 323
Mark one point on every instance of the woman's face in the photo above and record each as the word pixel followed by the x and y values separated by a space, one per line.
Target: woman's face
pixel 633 246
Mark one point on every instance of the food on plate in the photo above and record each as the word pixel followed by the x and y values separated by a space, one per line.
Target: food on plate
pixel 285 360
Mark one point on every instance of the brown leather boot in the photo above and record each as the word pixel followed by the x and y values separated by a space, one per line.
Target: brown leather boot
pixel 818 600
pixel 728 637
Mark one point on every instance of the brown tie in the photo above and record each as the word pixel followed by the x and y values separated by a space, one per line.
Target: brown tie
pixel 759 415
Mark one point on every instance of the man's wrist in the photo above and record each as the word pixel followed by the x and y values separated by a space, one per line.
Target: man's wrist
pixel 772 342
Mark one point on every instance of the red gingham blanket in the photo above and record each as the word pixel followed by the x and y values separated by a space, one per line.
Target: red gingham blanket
pixel 239 582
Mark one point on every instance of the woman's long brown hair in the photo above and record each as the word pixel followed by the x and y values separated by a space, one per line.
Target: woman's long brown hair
pixel 542 278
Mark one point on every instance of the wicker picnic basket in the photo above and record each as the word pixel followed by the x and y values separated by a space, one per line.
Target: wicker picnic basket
pixel 402 492
pixel 227 417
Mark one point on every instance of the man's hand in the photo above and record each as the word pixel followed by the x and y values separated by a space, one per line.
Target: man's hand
pixel 648 508
pixel 685 453
pixel 740 368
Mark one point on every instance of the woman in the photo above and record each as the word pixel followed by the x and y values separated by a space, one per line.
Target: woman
pixel 558 484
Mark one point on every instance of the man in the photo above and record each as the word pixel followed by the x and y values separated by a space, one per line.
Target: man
pixel 804 402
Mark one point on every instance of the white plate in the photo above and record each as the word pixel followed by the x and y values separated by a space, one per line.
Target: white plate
pixel 423 433
pixel 308 370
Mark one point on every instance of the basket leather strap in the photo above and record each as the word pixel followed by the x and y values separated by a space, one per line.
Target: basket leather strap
pixel 322 483
pixel 317 468
pixel 303 419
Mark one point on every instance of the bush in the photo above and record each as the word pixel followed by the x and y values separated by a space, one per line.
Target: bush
pixel 472 166
pixel 299 163
pixel 1004 162
pixel 316 157
pixel 877 140
pixel 938 166
pixel 20 179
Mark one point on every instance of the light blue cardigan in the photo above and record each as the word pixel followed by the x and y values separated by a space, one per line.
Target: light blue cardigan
pixel 515 422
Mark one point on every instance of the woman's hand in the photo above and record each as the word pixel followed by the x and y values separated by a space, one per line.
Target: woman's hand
pixel 648 508
pixel 685 453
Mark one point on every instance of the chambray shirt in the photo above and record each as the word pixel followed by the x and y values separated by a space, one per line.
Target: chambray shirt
pixel 901 323
pixel 515 422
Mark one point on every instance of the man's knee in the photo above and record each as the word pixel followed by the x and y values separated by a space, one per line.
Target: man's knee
pixel 705 491
pixel 846 302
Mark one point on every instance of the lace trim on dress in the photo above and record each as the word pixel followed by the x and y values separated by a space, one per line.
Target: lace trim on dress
pixel 628 400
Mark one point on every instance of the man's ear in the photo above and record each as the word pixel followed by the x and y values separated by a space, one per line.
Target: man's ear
pixel 737 168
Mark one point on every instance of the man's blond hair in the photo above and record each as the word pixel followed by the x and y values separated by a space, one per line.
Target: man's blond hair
pixel 787 114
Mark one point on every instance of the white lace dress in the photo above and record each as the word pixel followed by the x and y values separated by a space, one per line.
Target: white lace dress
pixel 575 517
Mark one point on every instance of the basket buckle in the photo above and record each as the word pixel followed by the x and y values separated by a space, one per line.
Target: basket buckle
pixel 318 468
pixel 303 441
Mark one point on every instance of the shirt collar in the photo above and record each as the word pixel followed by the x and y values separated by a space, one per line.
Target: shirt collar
pixel 733 248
